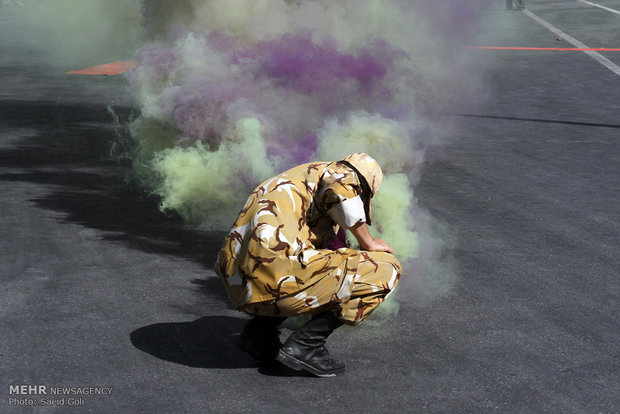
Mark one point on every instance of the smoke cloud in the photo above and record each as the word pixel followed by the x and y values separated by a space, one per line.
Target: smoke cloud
pixel 244 89
pixel 232 92
pixel 73 34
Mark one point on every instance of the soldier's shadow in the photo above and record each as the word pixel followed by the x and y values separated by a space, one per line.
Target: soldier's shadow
pixel 207 342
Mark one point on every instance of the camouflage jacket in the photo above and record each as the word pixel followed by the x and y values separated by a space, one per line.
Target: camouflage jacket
pixel 277 245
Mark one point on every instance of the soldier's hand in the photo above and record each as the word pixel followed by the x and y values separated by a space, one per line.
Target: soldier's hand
pixel 379 245
pixel 367 242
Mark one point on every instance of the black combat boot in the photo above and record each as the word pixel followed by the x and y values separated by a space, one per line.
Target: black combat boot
pixel 261 338
pixel 305 348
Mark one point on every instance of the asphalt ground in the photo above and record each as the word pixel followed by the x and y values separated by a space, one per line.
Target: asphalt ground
pixel 100 289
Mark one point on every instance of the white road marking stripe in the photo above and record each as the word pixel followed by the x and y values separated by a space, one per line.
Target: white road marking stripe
pixel 602 7
pixel 600 58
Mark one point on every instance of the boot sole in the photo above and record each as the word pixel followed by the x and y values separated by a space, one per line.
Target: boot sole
pixel 299 365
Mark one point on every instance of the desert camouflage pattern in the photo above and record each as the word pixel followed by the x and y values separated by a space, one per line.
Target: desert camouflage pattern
pixel 274 261
pixel 357 294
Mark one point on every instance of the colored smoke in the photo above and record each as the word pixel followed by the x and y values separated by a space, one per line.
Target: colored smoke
pixel 244 89
pixel 231 92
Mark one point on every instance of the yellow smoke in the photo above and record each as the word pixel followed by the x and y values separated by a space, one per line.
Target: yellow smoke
pixel 384 140
pixel 201 183
pixel 392 216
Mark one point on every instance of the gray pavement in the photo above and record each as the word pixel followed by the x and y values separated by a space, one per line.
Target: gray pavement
pixel 100 289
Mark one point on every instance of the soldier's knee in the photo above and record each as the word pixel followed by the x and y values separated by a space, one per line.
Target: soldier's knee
pixel 396 263
pixel 390 274
pixel 390 260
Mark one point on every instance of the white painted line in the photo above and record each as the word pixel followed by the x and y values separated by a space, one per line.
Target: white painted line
pixel 602 7
pixel 600 58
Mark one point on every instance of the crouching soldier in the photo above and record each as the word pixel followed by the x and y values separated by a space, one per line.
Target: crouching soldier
pixel 281 259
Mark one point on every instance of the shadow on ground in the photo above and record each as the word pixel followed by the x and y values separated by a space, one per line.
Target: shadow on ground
pixel 208 342
pixel 66 149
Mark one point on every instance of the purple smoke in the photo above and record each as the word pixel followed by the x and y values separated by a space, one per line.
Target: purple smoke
pixel 293 64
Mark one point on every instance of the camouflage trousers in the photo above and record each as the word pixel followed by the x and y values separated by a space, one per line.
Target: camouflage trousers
pixel 352 297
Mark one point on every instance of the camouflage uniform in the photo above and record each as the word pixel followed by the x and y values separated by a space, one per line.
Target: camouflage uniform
pixel 274 260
